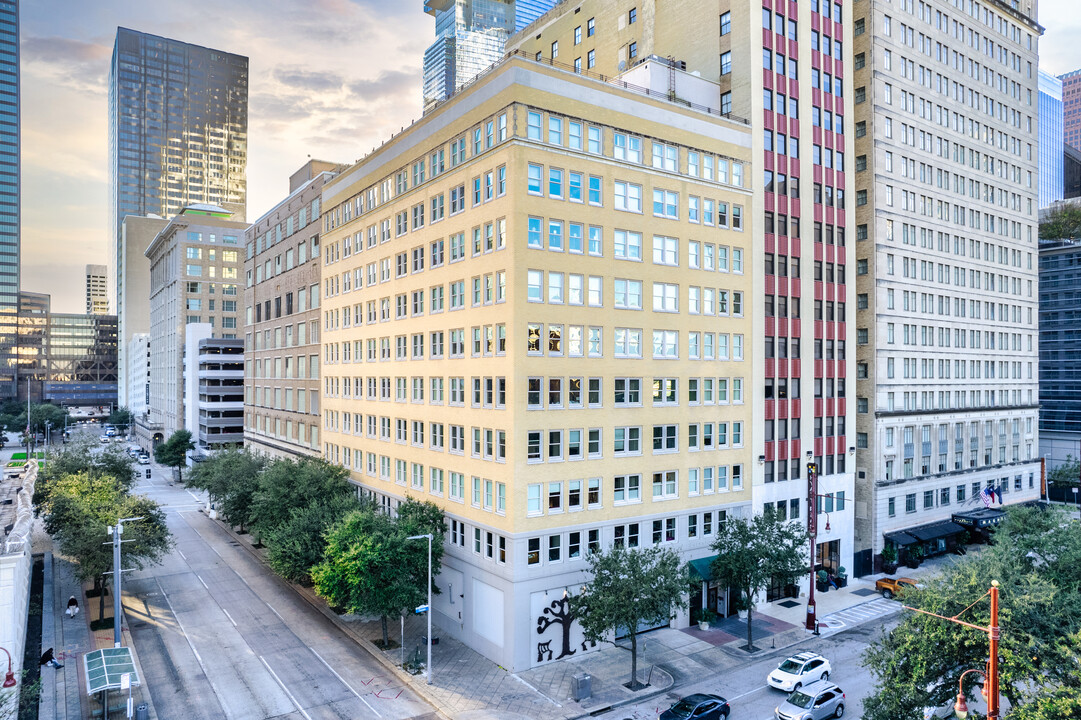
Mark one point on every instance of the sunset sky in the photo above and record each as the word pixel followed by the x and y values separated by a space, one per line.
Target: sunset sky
pixel 328 78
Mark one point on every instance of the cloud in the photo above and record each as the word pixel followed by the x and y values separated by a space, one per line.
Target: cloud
pixel 389 84
pixel 76 64
pixel 311 80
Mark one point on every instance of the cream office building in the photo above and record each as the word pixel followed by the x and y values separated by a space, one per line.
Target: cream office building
pixel 535 315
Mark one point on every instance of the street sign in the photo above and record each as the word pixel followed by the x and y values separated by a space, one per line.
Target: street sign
pixel 421 609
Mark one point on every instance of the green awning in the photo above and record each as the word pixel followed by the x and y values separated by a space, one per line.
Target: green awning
pixel 701 567
pixel 104 667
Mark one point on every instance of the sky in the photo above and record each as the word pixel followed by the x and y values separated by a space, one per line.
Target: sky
pixel 328 78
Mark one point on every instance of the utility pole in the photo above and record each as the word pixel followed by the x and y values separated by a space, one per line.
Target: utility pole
pixel 116 531
pixel 428 669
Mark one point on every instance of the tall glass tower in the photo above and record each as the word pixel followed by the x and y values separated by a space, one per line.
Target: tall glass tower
pixel 470 35
pixel 178 136
pixel 10 180
pixel 1051 131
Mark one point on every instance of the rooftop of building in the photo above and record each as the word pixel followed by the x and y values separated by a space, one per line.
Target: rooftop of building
pixel 518 60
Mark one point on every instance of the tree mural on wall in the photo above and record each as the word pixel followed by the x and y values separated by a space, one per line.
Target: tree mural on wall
pixel 557 613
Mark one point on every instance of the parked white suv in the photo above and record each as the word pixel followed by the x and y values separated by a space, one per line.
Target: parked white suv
pixel 799 670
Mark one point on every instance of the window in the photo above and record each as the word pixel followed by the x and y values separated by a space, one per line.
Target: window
pixel 627 245
pixel 628 197
pixel 626 489
pixel 726 63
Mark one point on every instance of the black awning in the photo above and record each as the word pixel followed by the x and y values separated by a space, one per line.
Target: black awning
pixel 900 538
pixel 934 531
pixel 981 518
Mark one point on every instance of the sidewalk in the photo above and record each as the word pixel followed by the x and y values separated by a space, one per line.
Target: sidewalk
pixel 468 686
pixel 63 690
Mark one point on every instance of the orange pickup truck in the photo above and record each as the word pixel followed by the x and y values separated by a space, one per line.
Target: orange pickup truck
pixel 893 586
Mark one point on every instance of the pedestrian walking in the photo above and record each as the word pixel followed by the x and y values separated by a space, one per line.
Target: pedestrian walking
pixel 48 659
pixel 73 607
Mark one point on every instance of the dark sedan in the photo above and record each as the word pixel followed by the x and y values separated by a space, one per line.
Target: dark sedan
pixel 698 707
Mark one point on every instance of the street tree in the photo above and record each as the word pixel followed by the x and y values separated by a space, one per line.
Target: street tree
pixel 754 552
pixel 76 457
pixel 77 511
pixel 629 588
pixel 120 418
pixel 231 478
pixel 1066 474
pixel 287 484
pixel 370 567
pixel 298 544
pixel 1035 559
pixel 174 451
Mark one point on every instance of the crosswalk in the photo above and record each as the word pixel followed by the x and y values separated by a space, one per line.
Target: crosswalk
pixel 858 614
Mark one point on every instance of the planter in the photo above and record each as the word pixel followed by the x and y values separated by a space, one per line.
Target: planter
pixel 913 563
pixel 841 581
pixel 742 614
pixel 703 625
pixel 822 586
pixel 889 568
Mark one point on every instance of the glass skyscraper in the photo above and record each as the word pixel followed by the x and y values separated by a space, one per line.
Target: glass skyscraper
pixel 178 136
pixel 1060 350
pixel 10 180
pixel 1051 133
pixel 470 35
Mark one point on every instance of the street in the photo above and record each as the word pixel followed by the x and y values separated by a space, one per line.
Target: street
pixel 218 635
pixel 746 690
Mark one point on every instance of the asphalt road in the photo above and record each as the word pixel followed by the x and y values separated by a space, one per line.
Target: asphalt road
pixel 219 636
pixel 746 690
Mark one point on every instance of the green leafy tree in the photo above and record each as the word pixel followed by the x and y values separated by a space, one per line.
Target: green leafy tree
pixel 76 458
pixel 298 544
pixel 1062 224
pixel 752 552
pixel 120 418
pixel 1066 474
pixel 629 588
pixel 174 451
pixel 77 511
pixel 1036 560
pixel 370 567
pixel 231 478
pixel 288 484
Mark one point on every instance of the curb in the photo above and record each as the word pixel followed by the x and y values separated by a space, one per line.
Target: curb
pixel 317 603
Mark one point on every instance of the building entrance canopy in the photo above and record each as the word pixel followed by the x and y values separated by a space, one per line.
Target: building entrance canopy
pixel 981 518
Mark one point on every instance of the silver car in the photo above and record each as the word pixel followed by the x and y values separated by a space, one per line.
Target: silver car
pixel 815 701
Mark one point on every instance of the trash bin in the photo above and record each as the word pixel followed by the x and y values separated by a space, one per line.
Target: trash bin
pixel 142 712
pixel 581 686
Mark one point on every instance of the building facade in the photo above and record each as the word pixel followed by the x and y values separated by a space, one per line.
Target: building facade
pixel 97 293
pixel 178 136
pixel 946 183
pixel 1071 108
pixel 65 359
pixel 1060 351
pixel 282 320
pixel 1050 139
pixel 195 268
pixel 802 259
pixel 470 35
pixel 10 194
pixel 536 315
pixel 133 290
pixel 137 376
pixel 216 367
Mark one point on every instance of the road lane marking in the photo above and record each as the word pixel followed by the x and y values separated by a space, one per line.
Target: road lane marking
pixel 329 667
pixel 182 554
pixel 749 692
pixel 228 616
pixel 202 581
pixel 285 689
pixel 274 611
pixel 196 497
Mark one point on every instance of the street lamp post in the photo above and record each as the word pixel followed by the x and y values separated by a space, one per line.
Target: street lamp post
pixel 48 428
pixel 116 531
pixel 428 536
pixel 812 531
pixel 9 679
pixel 991 676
